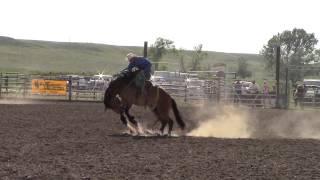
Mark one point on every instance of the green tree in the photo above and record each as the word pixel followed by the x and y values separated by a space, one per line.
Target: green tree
pixel 243 71
pixel 317 56
pixel 180 54
pixel 197 56
pixel 160 47
pixel 297 48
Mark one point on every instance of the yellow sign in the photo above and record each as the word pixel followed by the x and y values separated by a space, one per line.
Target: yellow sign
pixel 49 87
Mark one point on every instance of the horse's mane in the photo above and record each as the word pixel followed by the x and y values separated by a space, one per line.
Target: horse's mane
pixel 115 85
pixel 124 76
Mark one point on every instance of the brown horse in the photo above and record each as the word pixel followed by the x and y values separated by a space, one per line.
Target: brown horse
pixel 122 94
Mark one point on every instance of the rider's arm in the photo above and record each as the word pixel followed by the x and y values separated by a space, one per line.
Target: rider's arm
pixel 132 66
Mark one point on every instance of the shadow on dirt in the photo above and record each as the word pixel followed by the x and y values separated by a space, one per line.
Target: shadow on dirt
pixel 142 136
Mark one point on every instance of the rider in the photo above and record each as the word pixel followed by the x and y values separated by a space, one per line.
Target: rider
pixel 139 63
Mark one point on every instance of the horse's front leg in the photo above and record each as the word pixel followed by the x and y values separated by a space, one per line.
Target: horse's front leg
pixel 133 129
pixel 123 119
pixel 133 121
pixel 130 117
pixel 125 122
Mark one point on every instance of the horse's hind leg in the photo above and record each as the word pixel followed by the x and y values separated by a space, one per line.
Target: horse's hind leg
pixel 123 119
pixel 170 122
pixel 163 125
pixel 160 118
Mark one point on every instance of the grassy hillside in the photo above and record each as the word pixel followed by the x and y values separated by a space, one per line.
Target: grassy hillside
pixel 31 56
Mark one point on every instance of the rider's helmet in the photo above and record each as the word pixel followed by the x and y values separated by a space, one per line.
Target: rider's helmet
pixel 130 56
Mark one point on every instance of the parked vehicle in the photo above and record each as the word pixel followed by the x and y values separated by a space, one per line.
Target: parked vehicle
pixel 312 93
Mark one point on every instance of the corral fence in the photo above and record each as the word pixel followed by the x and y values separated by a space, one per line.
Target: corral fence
pixel 183 86
pixel 55 87
pixel 309 77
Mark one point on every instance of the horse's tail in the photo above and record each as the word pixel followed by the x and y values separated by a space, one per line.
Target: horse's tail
pixel 177 114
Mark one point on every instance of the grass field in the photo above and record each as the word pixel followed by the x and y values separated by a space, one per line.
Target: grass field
pixel 29 56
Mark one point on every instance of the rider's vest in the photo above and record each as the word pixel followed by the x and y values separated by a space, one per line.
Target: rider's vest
pixel 139 80
pixel 142 64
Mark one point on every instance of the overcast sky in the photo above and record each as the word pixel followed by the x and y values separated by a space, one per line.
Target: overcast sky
pixel 238 26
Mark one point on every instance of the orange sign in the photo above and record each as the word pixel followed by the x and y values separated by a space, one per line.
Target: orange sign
pixel 49 87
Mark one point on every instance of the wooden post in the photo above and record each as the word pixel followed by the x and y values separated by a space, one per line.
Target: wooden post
pixel 24 86
pixel 145 49
pixel 278 76
pixel 0 83
pixel 94 89
pixel 70 88
pixel 286 93
pixel 219 89
pixel 185 92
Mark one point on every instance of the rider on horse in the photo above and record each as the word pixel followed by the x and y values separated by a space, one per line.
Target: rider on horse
pixel 137 63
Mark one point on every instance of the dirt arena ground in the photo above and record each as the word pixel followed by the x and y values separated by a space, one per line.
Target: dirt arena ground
pixel 80 141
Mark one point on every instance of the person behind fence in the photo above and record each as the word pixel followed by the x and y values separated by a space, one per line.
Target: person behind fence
pixel 139 63
pixel 238 90
pixel 254 88
pixel 266 91
pixel 299 93
pixel 238 87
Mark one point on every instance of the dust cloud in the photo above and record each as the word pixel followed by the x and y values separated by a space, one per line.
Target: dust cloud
pixel 15 101
pixel 244 122
pixel 289 124
pixel 230 122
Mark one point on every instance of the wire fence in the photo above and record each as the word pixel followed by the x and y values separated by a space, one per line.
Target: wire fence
pixel 80 88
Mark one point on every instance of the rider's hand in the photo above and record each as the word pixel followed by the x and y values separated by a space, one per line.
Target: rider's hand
pixel 134 69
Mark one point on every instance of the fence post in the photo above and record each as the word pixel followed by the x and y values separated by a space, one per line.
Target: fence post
pixel 286 87
pixel 145 49
pixel 70 88
pixel 185 92
pixel 94 89
pixel 278 76
pixel 6 83
pixel 218 91
pixel 24 86
pixel 0 84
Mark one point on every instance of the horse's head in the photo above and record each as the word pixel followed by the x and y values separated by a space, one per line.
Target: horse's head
pixel 119 82
pixel 111 101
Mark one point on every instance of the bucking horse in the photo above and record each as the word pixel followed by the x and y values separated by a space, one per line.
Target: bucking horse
pixel 122 94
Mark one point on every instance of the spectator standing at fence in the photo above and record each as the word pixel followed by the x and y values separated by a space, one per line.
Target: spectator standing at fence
pixel 254 88
pixel 266 91
pixel 299 94
pixel 238 87
pixel 274 89
pixel 238 90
